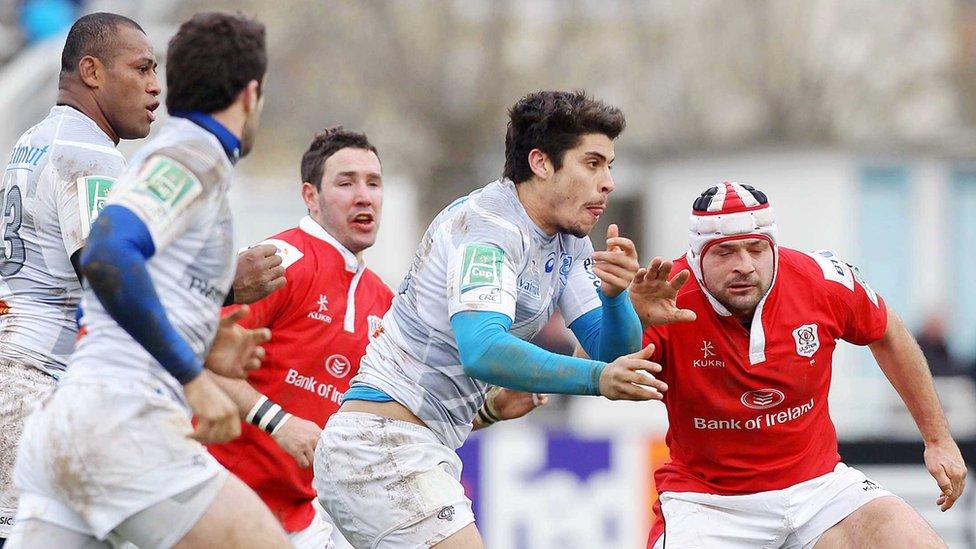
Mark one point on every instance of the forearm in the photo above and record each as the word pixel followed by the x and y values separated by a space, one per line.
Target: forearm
pixel 620 329
pixel 240 392
pixel 489 353
pixel 902 361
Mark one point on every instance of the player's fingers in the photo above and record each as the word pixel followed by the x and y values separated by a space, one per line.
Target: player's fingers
pixel 685 315
pixel 635 391
pixel 640 275
pixel 654 266
pixel 539 399
pixel 665 272
pixel 273 273
pixel 643 377
pixel 276 284
pixel 644 355
pixel 610 278
pixel 625 271
pixel 679 279
pixel 624 244
pixel 274 260
pixel 612 232
pixel 264 250
pixel 235 315
pixel 260 335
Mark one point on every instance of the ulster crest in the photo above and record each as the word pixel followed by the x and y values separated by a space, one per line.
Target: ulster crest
pixel 806 339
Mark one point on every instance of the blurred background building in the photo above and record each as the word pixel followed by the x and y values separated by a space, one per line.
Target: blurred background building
pixel 856 117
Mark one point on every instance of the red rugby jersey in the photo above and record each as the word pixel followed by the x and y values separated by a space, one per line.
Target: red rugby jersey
pixel 320 323
pixel 748 412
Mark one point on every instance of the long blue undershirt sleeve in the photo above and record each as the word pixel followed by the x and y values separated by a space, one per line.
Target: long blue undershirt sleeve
pixel 489 353
pixel 114 264
pixel 611 331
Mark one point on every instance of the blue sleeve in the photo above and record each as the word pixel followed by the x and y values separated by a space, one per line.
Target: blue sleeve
pixel 611 331
pixel 489 353
pixel 114 263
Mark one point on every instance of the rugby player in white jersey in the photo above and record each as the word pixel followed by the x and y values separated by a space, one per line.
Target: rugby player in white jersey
pixel 490 271
pixel 55 179
pixel 112 456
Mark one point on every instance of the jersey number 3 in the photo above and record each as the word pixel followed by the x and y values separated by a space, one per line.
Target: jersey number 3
pixel 13 255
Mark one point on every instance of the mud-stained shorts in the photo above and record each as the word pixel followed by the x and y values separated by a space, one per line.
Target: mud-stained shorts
pixel 22 387
pixel 389 483
pixel 98 452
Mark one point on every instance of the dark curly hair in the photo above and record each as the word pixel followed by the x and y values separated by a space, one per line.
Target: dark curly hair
pixel 211 59
pixel 327 143
pixel 554 122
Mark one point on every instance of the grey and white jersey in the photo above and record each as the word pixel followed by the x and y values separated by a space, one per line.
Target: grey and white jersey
pixel 56 179
pixel 177 185
pixel 482 253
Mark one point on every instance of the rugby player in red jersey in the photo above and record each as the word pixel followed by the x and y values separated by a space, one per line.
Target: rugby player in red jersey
pixel 745 333
pixel 322 320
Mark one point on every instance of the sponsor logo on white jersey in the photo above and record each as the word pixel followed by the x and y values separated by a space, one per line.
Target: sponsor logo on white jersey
pixel 762 399
pixel 807 341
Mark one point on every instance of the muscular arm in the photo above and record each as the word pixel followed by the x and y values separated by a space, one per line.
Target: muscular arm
pixel 903 364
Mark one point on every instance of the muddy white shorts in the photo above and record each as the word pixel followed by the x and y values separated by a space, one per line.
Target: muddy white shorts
pixel 96 453
pixel 389 483
pixel 793 517
pixel 22 387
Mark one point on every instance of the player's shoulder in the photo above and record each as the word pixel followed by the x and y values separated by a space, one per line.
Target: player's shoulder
pixel 820 268
pixel 292 247
pixel 184 152
pixel 487 216
pixel 376 284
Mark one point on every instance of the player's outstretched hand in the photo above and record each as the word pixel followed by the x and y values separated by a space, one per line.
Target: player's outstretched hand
pixel 631 377
pixel 616 266
pixel 216 414
pixel 508 404
pixel 945 464
pixel 655 297
pixel 236 349
pixel 298 437
pixel 259 272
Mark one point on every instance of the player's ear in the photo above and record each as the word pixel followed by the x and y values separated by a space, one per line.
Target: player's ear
pixel 310 195
pixel 91 71
pixel 540 164
pixel 251 95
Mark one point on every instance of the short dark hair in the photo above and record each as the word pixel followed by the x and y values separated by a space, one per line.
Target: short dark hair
pixel 211 58
pixel 327 143
pixel 554 122
pixel 95 34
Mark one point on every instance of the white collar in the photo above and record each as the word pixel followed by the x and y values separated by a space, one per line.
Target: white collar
pixel 311 227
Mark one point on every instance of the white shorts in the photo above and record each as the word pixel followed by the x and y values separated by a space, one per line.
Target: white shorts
pixel 22 386
pixel 389 483
pixel 793 517
pixel 98 452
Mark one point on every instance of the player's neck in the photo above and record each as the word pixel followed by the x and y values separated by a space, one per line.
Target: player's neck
pixel 85 104
pixel 533 201
pixel 231 118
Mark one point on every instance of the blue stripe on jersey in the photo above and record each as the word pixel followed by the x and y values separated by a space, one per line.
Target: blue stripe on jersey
pixel 367 393
pixel 114 263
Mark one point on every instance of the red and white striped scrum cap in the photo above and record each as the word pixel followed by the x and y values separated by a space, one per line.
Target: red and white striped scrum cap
pixel 730 210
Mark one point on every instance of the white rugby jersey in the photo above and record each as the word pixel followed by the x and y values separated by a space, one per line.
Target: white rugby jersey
pixel 177 185
pixel 56 180
pixel 482 253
